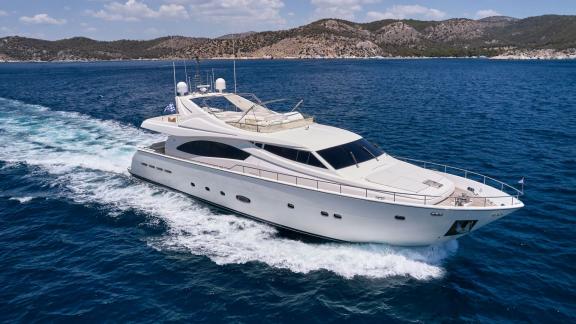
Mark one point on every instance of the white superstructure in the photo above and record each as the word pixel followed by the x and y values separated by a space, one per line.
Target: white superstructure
pixel 287 170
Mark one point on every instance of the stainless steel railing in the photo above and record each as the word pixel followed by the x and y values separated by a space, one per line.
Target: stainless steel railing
pixel 463 172
pixel 363 192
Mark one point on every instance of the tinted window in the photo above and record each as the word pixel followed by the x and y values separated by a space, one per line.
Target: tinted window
pixel 304 157
pixel 313 161
pixel 213 149
pixel 285 152
pixel 348 154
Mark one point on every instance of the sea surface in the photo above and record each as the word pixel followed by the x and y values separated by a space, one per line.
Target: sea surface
pixel 81 240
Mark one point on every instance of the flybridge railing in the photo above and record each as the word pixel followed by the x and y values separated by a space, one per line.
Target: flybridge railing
pixel 272 125
pixel 363 192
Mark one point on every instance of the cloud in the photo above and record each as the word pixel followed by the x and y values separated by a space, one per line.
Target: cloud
pixel 246 12
pixel 3 13
pixel 344 9
pixel 407 11
pixel 238 11
pixel 87 28
pixel 133 10
pixel 43 19
pixel 487 13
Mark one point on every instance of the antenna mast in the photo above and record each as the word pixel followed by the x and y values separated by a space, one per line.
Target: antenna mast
pixel 213 85
pixel 197 77
pixel 186 75
pixel 174 74
pixel 234 50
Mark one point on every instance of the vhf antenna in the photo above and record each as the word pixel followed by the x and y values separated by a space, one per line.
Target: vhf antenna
pixel 174 74
pixel 173 67
pixel 186 75
pixel 234 50
pixel 197 77
pixel 213 85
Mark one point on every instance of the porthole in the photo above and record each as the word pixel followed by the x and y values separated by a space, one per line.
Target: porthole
pixel 144 164
pixel 323 213
pixel 167 171
pixel 291 206
pixel 398 217
pixel 222 193
pixel 192 184
pixel 207 189
pixel 150 165
pixel 243 199
pixel 337 216
pixel 159 169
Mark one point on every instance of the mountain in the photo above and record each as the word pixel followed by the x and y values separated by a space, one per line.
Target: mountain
pixel 492 36
pixel 236 36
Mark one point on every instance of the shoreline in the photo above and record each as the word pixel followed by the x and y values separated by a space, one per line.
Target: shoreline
pixel 503 57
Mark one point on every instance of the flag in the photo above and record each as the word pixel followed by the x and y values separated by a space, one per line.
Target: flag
pixel 521 181
pixel 170 109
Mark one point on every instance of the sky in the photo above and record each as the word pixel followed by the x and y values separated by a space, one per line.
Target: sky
pixel 147 19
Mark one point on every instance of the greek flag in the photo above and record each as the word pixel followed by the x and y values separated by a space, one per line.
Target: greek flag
pixel 170 109
pixel 521 181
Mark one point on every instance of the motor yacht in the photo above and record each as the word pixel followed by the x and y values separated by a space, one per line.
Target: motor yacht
pixel 283 168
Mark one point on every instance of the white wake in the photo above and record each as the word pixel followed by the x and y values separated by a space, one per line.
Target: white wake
pixel 88 157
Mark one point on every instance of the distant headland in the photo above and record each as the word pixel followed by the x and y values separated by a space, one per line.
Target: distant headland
pixel 541 37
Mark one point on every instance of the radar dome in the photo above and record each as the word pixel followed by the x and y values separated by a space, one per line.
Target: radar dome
pixel 182 88
pixel 220 85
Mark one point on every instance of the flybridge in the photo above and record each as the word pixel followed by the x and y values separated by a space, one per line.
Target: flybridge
pixel 236 110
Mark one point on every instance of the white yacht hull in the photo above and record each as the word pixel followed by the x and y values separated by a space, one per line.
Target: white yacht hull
pixel 313 212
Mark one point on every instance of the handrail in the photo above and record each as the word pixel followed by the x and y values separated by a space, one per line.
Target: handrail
pixel 352 190
pixel 466 173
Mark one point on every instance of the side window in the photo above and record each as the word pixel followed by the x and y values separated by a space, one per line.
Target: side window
pixel 285 152
pixel 303 157
pixel 213 149
pixel 313 161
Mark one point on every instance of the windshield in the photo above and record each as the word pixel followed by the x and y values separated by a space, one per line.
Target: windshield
pixel 352 153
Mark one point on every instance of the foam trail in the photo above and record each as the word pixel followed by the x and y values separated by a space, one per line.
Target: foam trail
pixel 88 158
pixel 22 200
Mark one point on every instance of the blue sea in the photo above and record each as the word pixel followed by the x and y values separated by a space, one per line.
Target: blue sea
pixel 81 240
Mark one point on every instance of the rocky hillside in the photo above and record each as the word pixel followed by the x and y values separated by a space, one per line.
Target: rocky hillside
pixel 493 36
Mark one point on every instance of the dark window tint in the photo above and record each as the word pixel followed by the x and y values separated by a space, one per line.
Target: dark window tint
pixel 352 153
pixel 213 149
pixel 285 152
pixel 313 161
pixel 304 157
